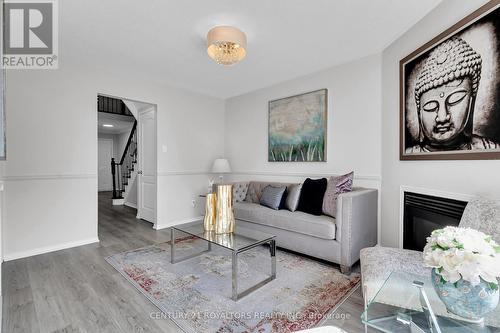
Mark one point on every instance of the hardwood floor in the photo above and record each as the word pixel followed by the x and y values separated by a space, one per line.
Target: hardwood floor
pixel 76 290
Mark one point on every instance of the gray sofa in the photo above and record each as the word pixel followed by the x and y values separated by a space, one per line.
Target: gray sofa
pixel 338 240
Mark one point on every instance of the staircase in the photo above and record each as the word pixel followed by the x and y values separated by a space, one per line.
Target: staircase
pixel 124 173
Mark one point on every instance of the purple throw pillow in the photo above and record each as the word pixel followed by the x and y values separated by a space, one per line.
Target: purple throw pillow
pixel 336 185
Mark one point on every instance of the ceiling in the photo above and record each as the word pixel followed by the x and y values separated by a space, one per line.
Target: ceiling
pixel 165 39
pixel 121 124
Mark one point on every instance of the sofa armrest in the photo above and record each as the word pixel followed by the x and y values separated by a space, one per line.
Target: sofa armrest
pixel 357 215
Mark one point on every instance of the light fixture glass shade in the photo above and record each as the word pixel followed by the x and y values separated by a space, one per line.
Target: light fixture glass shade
pixel 221 165
pixel 226 45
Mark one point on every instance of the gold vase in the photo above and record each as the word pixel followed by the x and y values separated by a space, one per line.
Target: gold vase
pixel 210 209
pixel 224 222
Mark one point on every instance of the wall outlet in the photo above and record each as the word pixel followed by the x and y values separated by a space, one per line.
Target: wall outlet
pixel 193 203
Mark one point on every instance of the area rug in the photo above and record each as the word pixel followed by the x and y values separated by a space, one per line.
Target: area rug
pixel 196 293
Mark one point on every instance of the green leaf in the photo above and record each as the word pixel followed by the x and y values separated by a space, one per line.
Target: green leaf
pixel 493 286
pixel 497 249
pixel 437 246
pixel 457 244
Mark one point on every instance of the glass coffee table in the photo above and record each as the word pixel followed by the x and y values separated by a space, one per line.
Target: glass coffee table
pixel 399 306
pixel 239 241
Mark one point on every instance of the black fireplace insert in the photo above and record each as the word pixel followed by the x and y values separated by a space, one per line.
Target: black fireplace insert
pixel 424 214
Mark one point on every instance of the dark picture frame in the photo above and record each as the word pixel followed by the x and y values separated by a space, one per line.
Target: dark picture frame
pixel 419 140
pixel 302 133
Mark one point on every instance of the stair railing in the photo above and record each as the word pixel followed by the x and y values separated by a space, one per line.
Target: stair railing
pixel 122 171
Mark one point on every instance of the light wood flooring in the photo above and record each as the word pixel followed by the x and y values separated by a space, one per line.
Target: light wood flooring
pixel 76 290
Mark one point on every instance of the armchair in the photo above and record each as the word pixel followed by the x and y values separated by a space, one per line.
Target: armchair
pixel 378 262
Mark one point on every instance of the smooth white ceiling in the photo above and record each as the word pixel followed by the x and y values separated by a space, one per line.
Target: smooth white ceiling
pixel 165 40
pixel 121 124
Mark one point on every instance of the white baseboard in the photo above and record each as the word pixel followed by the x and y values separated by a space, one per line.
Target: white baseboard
pixel 163 226
pixel 129 204
pixel 47 249
pixel 118 202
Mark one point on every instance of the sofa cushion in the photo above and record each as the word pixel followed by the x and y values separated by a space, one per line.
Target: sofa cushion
pixel 303 223
pixel 239 191
pixel 272 196
pixel 255 189
pixel 336 185
pixel 311 196
pixel 292 199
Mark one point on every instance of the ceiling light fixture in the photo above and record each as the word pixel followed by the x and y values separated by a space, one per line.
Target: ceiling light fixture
pixel 226 45
pixel 107 125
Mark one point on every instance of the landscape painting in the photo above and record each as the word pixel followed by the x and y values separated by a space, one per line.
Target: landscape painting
pixel 297 128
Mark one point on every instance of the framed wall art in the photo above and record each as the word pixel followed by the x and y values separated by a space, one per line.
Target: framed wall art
pixel 449 92
pixel 297 128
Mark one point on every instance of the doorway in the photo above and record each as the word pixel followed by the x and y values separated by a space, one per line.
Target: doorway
pixel 127 133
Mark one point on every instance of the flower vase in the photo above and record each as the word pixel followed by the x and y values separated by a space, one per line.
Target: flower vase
pixel 465 300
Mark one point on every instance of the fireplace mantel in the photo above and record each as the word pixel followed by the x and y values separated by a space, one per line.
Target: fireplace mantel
pixel 426 191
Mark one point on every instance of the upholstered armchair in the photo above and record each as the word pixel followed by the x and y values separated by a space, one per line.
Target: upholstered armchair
pixel 377 263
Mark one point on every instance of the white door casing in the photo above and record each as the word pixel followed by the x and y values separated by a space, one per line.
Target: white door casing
pixel 105 153
pixel 146 177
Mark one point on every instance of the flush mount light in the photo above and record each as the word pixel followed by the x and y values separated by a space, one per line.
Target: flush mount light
pixel 226 45
pixel 107 125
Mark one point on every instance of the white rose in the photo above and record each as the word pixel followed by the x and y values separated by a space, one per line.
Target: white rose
pixel 432 258
pixel 470 271
pixel 450 276
pixel 490 268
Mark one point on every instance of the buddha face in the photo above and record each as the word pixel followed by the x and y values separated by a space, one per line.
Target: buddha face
pixel 445 110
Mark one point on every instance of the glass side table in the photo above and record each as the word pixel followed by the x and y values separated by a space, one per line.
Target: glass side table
pixel 397 307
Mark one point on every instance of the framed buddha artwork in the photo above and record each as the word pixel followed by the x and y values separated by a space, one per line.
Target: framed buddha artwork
pixel 450 92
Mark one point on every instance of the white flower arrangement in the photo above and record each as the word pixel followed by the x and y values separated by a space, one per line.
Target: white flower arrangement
pixel 463 253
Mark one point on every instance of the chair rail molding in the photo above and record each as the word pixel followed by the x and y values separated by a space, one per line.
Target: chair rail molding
pixel 303 174
pixel 427 191
pixel 49 176
pixel 183 173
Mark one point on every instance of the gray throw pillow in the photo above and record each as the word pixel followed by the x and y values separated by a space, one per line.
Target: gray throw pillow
pixel 292 200
pixel 336 185
pixel 271 196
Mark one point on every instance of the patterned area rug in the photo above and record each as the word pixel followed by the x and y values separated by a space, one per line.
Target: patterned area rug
pixel 196 293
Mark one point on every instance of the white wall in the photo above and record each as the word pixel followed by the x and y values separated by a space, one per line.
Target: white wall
pixel 354 126
pixel 51 174
pixel 113 137
pixel 121 143
pixel 354 130
pixel 462 177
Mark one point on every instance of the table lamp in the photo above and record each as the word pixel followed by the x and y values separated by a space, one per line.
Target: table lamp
pixel 221 166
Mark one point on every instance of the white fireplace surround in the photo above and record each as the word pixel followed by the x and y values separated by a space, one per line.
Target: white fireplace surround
pixel 426 191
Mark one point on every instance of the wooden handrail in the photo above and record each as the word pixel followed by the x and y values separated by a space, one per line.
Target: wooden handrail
pixel 129 141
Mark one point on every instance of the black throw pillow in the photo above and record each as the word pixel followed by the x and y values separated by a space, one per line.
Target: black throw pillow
pixel 311 196
pixel 283 199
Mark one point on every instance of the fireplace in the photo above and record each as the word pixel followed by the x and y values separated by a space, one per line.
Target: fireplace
pixel 425 213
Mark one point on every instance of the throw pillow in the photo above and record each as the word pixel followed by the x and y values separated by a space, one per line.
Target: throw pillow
pixel 271 196
pixel 283 199
pixel 311 196
pixel 239 191
pixel 253 193
pixel 336 186
pixel 292 200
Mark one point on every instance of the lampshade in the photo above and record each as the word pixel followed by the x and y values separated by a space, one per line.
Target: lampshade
pixel 221 165
pixel 226 45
